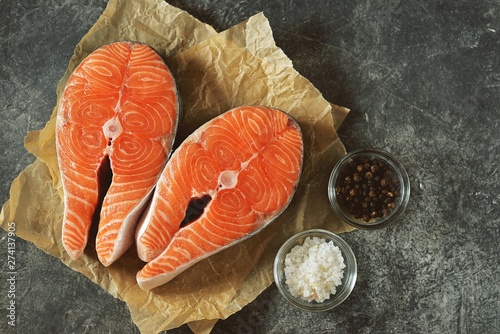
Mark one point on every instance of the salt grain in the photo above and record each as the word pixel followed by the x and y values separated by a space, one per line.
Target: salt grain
pixel 314 270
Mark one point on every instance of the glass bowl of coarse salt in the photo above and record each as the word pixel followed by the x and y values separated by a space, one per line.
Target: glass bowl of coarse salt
pixel 315 270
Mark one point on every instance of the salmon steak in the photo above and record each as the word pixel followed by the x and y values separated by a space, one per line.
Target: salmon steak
pixel 118 116
pixel 243 166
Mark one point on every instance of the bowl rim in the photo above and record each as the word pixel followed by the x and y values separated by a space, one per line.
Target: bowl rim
pixel 402 176
pixel 348 281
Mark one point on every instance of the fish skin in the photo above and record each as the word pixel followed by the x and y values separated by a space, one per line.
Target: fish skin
pixel 252 160
pixel 121 104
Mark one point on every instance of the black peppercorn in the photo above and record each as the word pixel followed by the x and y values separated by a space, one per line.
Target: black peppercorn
pixel 383 183
pixel 367 188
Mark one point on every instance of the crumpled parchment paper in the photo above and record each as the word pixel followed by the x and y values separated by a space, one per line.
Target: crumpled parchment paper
pixel 215 72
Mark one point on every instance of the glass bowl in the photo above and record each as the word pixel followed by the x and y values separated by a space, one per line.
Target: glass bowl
pixel 342 291
pixel 376 196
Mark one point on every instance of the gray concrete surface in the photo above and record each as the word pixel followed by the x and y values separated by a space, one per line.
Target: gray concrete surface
pixel 422 79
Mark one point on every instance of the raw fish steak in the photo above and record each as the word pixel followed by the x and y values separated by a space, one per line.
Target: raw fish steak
pixel 118 115
pixel 246 163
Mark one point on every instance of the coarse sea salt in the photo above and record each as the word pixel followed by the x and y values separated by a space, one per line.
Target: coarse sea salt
pixel 314 270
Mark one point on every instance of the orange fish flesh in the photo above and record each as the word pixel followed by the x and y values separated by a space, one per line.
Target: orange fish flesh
pixel 119 111
pixel 247 162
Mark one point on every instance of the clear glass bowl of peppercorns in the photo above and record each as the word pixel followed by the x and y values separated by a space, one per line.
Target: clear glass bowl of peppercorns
pixel 369 188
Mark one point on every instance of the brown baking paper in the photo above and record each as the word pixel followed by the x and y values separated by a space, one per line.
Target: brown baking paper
pixel 214 73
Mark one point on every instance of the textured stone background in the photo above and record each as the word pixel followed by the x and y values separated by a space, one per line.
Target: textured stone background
pixel 423 81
